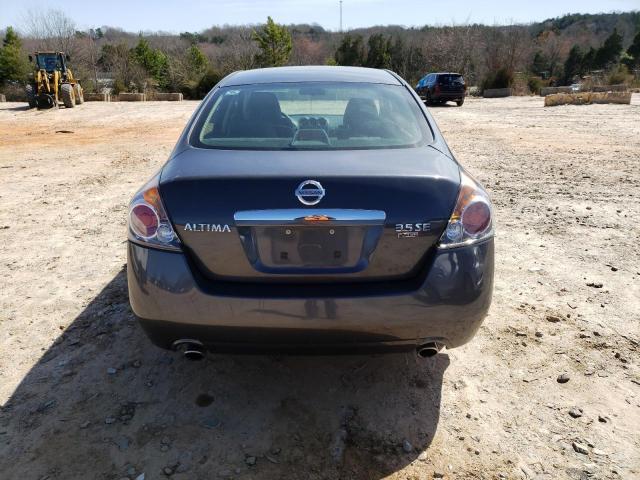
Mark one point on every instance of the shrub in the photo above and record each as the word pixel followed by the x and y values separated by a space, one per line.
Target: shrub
pixel 501 78
pixel 118 86
pixel 534 84
pixel 620 75
pixel 206 83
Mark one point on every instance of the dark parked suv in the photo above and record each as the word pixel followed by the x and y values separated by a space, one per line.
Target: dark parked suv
pixel 441 88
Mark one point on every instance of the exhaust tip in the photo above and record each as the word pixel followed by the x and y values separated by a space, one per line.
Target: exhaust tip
pixel 191 349
pixel 429 350
pixel 193 354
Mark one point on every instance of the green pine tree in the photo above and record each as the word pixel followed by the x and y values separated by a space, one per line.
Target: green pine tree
pixel 610 50
pixel 632 58
pixel 350 52
pixel 14 66
pixel 154 61
pixel 379 55
pixel 573 64
pixel 197 61
pixel 589 60
pixel 275 44
pixel 540 63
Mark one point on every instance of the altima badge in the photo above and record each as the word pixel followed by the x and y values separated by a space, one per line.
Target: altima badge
pixel 310 192
pixel 206 227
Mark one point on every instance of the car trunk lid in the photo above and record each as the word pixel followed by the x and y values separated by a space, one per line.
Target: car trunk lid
pixel 451 83
pixel 240 214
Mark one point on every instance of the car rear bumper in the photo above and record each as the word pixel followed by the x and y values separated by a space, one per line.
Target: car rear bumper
pixel 447 306
pixel 448 96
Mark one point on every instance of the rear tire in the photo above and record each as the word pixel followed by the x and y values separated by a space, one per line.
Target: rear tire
pixel 31 96
pixel 68 96
pixel 79 94
pixel 427 99
pixel 460 102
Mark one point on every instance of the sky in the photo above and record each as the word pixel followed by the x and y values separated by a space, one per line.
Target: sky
pixel 196 15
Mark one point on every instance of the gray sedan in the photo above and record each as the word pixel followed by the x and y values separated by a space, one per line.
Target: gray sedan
pixel 311 209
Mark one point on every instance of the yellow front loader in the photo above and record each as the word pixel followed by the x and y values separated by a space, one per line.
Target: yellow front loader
pixel 53 82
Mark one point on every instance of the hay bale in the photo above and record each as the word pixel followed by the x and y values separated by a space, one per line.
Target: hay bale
pixel 554 99
pixel 131 97
pixel 165 97
pixel 621 98
pixel 544 91
pixel 2 98
pixel 610 88
pixel 97 97
pixel 587 98
pixel 496 92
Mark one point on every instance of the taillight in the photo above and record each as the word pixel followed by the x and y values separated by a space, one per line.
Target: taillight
pixel 471 220
pixel 144 220
pixel 148 220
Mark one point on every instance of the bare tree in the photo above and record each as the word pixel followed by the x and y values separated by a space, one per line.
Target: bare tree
pixel 127 73
pixel 515 46
pixel 52 29
pixel 92 55
pixel 452 48
pixel 551 48
pixel 504 49
pixel 307 51
pixel 236 52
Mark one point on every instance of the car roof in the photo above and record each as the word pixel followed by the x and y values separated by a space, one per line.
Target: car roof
pixel 440 73
pixel 311 73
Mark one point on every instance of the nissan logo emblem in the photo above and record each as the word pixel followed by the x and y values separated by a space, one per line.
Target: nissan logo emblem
pixel 310 192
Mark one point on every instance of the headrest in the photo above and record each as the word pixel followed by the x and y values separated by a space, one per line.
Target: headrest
pixel 360 110
pixel 263 106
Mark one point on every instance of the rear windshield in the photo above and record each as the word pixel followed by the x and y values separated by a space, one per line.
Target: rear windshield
pixel 450 79
pixel 311 115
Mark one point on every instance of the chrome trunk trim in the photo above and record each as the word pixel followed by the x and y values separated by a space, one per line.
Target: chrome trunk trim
pixel 309 216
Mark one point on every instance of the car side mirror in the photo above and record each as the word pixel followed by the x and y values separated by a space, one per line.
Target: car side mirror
pixel 30 58
pixel 67 57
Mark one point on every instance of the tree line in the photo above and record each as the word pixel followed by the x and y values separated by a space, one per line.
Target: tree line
pixel 556 51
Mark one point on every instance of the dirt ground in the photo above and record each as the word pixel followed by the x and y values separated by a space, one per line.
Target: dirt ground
pixel 83 394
